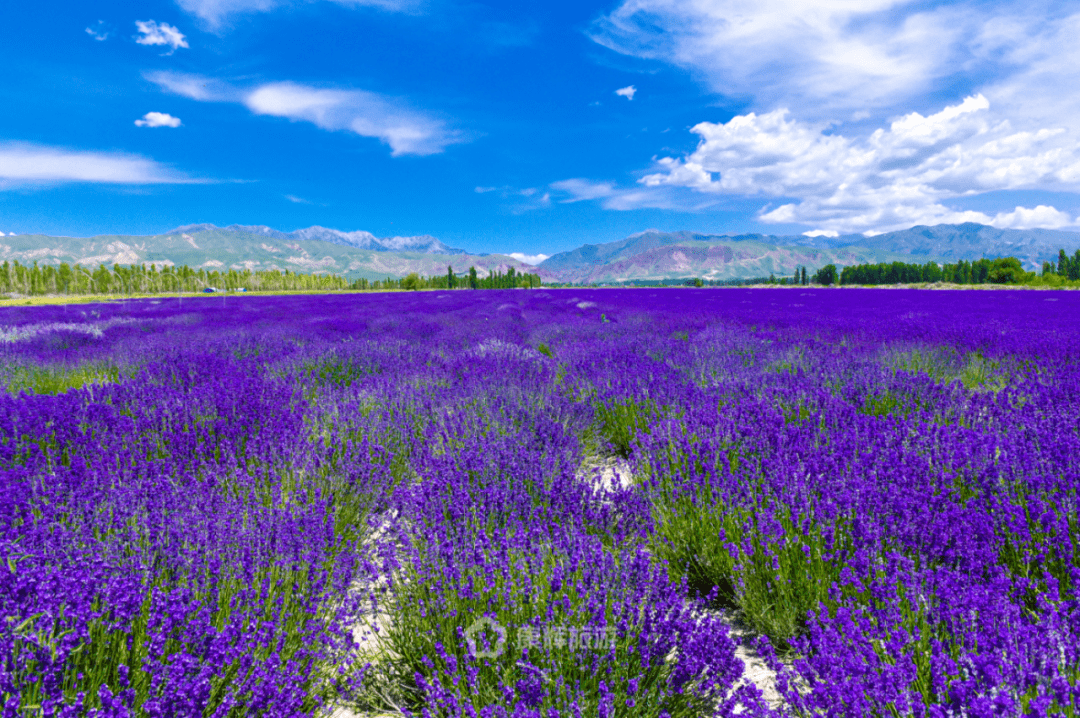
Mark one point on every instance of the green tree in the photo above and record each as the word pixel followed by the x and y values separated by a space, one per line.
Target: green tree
pixel 1006 270
pixel 826 276
pixel 474 283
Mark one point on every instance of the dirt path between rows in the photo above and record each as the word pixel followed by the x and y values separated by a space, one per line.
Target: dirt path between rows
pixel 605 475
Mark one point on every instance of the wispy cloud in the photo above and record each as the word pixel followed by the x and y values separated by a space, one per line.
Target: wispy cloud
pixel 819 54
pixel 158 119
pixel 628 92
pixel 406 131
pixel 578 189
pixel 217 13
pixel 194 87
pixel 894 178
pixel 99 31
pixel 613 197
pixel 23 163
pixel 368 114
pixel 297 200
pixel 520 200
pixel 154 33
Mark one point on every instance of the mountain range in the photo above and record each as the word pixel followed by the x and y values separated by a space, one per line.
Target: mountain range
pixel 653 255
pixel 353 255
pixel 649 255
pixel 424 244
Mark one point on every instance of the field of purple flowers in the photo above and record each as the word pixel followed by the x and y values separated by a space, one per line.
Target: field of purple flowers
pixel 276 506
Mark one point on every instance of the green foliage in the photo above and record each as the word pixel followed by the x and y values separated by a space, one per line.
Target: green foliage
pixel 826 276
pixel 621 422
pixel 1006 270
pixel 545 350
pixel 1002 270
pixel 426 638
pixel 66 280
pixel 139 279
pixel 772 585
pixel 57 379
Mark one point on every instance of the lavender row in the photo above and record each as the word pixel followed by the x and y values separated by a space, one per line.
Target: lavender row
pixel 278 505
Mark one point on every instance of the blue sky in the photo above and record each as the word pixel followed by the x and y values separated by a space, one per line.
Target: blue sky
pixel 537 127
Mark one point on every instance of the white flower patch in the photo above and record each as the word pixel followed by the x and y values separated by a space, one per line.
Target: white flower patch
pixel 499 348
pixel 96 330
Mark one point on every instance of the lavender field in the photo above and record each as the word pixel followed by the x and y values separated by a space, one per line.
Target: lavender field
pixel 404 504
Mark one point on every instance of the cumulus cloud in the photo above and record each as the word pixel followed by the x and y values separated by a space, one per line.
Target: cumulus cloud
pixel 628 92
pixel 216 13
pixel 406 131
pixel 1041 216
pixel 24 163
pixel 99 31
pixel 154 33
pixel 158 119
pixel 532 259
pixel 891 179
pixel 844 128
pixel 816 55
pixel 821 233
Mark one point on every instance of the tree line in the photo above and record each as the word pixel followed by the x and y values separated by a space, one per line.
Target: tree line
pixel 140 279
pixel 76 280
pixel 1001 270
pixel 494 280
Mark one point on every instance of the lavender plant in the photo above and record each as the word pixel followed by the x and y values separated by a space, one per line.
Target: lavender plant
pixel 208 510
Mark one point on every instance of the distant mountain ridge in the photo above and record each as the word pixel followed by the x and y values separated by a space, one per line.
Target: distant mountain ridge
pixel 648 255
pixel 424 243
pixel 260 248
pixel 654 255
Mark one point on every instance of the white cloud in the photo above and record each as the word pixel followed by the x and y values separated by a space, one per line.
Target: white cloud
pixel 406 131
pixel 216 13
pixel 893 178
pixel 194 87
pixel 367 114
pixel 1042 216
pixel 99 31
pixel 620 198
pixel 24 163
pixel 297 200
pixel 815 55
pixel 532 259
pixel 822 233
pixel 485 190
pixel 628 92
pixel 583 189
pixel 158 119
pixel 154 33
